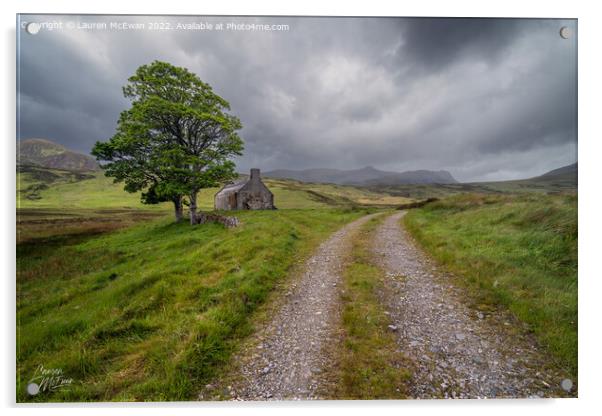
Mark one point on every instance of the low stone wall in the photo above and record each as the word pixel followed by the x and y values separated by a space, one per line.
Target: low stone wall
pixel 228 222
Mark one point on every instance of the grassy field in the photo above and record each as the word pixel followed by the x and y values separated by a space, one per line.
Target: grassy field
pixel 134 307
pixel 541 185
pixel 293 194
pixel 62 189
pixel 519 251
pixel 57 225
pixel 56 189
pixel 369 364
pixel 153 311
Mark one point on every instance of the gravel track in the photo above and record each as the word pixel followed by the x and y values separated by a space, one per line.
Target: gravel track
pixel 287 359
pixel 457 352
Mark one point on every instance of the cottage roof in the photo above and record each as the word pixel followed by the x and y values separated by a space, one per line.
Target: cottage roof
pixel 233 186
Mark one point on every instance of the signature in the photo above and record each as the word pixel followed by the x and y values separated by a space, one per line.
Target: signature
pixel 47 379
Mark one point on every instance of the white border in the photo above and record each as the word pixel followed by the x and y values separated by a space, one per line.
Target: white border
pixel 590 69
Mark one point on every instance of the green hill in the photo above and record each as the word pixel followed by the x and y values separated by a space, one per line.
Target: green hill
pixel 45 153
pixel 39 187
pixel 559 180
pixel 64 204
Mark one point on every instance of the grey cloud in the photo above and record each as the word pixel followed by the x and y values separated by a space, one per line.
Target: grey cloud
pixel 437 42
pixel 485 99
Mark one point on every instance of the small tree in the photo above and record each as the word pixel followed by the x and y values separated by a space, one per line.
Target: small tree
pixel 176 139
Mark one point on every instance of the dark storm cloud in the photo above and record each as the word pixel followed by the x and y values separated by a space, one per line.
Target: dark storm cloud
pixel 64 97
pixel 436 42
pixel 485 99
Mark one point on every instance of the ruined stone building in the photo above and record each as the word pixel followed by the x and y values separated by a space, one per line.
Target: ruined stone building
pixel 248 193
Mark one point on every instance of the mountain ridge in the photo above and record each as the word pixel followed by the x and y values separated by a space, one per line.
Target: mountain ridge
pixel 365 176
pixel 563 170
pixel 48 154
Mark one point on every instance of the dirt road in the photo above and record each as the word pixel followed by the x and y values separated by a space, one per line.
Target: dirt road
pixel 454 350
pixel 287 361
pixel 458 352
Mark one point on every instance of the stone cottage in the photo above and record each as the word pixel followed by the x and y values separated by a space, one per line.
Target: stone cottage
pixel 245 194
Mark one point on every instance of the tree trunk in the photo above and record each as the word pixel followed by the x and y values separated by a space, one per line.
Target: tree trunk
pixel 178 207
pixel 192 208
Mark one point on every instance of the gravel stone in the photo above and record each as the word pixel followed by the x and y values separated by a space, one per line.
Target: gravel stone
pixel 294 340
pixel 455 343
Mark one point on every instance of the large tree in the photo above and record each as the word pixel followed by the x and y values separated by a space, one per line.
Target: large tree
pixel 176 139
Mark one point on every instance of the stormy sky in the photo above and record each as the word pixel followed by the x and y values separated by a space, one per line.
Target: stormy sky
pixel 486 99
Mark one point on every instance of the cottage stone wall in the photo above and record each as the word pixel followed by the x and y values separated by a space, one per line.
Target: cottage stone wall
pixel 254 200
pixel 251 195
pixel 225 200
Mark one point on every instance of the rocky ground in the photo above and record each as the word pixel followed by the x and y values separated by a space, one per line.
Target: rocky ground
pixel 286 360
pixel 458 352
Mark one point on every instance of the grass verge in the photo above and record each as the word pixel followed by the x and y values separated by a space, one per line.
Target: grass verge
pixel 518 251
pixel 151 312
pixel 370 365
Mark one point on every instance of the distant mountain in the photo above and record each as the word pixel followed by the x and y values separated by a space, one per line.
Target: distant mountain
pixel 563 171
pixel 366 176
pixel 415 177
pixel 326 175
pixel 45 153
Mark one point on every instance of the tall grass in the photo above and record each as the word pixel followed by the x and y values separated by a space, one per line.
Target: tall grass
pixel 518 251
pixel 154 311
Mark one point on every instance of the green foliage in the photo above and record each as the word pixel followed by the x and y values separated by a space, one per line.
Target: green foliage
pixel 154 311
pixel 176 139
pixel 519 251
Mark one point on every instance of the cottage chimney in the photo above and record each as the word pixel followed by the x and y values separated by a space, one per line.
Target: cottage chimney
pixel 255 174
